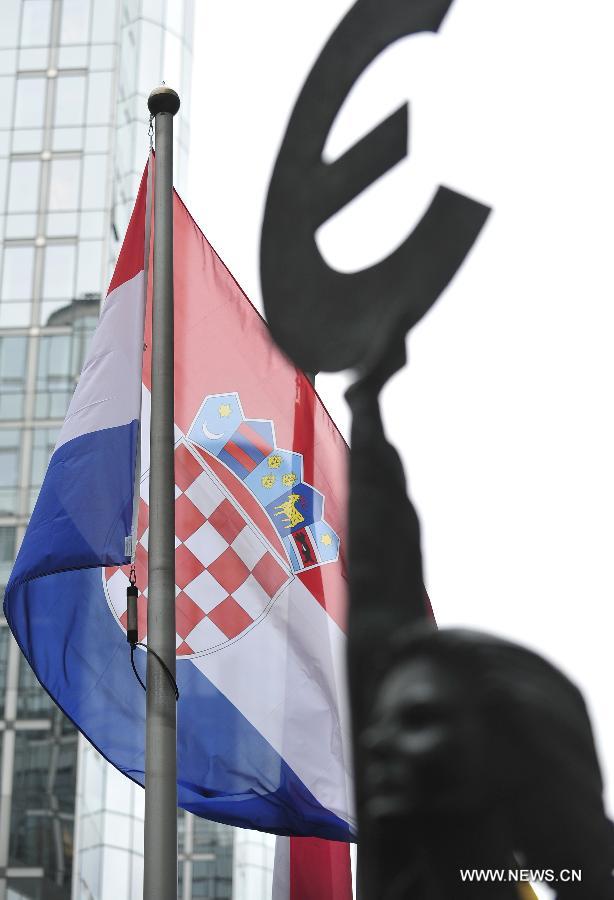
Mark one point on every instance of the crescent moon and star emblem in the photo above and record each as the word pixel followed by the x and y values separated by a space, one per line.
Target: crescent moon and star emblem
pixel 224 411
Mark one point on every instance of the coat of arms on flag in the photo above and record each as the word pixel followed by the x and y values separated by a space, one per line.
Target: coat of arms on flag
pixel 229 571
pixel 227 574
pixel 273 475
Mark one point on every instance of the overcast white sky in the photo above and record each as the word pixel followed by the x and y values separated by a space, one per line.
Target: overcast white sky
pixel 504 415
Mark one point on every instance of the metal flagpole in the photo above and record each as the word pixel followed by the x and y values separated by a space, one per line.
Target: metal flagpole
pixel 160 874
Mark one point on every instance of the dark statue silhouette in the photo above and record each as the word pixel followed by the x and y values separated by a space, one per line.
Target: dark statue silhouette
pixel 469 752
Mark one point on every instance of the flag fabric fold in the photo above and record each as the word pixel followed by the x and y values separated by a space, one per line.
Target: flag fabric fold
pixel 260 472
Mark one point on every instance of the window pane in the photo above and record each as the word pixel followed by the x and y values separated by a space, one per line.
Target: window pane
pixel 154 9
pixel 186 82
pixel 17 273
pixel 213 878
pixel 30 105
pixel 92 225
pixel 54 360
pixel 209 836
pixel 53 404
pixel 75 21
pixel 89 272
pixel 187 34
pixel 67 139
pixel 62 224
pixel 6 108
pixel 12 375
pixel 21 225
pixel 102 57
pixel 32 701
pixel 73 57
pixel 33 58
pixel 12 359
pixel 174 16
pixel 4 168
pixel 129 60
pixel 85 327
pixel 180 867
pixel 28 140
pixel 9 501
pixel 172 59
pixel 94 182
pixel 25 889
pixel 23 185
pixel 150 58
pixel 7 545
pixel 69 100
pixel 9 23
pixel 99 98
pixel 181 829
pixel 64 184
pixel 59 271
pixel 96 138
pixel 15 315
pixel 35 23
pixel 9 453
pixel 10 445
pixel 48 311
pixel 42 449
pixel 42 814
pixel 54 381
pixel 104 22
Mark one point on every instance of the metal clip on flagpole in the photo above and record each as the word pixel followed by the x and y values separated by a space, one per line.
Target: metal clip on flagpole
pixel 160 872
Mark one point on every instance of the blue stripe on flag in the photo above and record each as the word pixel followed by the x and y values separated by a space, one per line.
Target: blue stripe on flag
pixel 78 651
pixel 84 509
pixel 233 464
pixel 263 433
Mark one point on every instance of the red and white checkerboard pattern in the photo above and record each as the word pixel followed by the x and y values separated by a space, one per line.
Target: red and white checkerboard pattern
pixel 227 575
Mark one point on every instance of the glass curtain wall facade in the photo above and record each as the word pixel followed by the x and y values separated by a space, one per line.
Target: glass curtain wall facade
pixel 74 81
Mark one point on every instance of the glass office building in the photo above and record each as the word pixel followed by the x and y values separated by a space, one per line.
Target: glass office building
pixel 74 81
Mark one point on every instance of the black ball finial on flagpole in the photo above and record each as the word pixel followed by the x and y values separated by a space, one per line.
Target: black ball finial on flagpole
pixel 163 99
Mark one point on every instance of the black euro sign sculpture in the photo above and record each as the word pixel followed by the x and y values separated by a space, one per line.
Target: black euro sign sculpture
pixel 326 320
pixel 469 752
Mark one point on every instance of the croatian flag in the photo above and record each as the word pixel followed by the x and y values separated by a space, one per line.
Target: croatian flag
pixel 260 472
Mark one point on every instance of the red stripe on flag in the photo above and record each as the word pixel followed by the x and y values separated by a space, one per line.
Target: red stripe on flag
pixel 328 584
pixel 241 357
pixel 240 455
pixel 319 869
pixel 256 439
pixel 131 259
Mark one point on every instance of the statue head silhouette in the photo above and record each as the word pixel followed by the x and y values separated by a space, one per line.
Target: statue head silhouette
pixel 468 728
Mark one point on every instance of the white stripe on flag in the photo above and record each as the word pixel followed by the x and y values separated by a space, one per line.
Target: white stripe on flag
pixel 287 671
pixel 109 389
